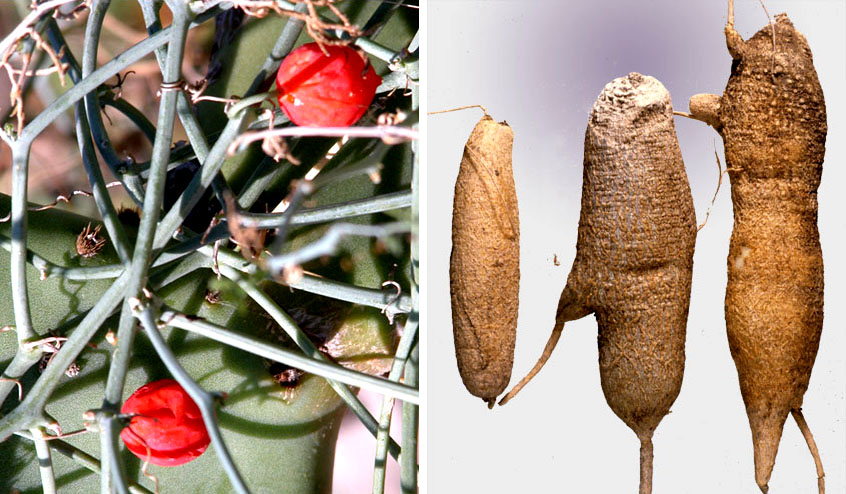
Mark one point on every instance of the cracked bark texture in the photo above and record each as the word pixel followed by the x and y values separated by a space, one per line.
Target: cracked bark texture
pixel 773 122
pixel 485 261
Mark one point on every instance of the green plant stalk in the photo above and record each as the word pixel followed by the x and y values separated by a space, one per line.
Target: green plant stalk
pixel 115 230
pixel 410 413
pixel 277 353
pixel 216 156
pixel 20 169
pixel 203 399
pixel 329 242
pixel 89 158
pixel 20 363
pixel 30 412
pixel 183 106
pixel 134 115
pixel 93 28
pixel 410 416
pixel 113 474
pixel 23 317
pixel 45 461
pixel 161 152
pixel 70 349
pixel 322 286
pixel 407 341
pixel 350 209
pixel 83 459
pixel 302 341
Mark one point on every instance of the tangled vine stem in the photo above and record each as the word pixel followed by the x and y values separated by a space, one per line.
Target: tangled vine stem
pixel 388 134
pixel 162 251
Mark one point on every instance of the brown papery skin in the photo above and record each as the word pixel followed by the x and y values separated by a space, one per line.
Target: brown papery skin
pixel 634 255
pixel 774 128
pixel 484 267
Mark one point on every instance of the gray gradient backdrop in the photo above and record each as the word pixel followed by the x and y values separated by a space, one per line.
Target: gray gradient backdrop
pixel 540 65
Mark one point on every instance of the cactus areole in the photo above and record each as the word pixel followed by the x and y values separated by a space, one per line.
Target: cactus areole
pixel 167 424
pixel 320 90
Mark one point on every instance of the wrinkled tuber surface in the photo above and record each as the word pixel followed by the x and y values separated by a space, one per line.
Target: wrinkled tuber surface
pixel 485 261
pixel 773 122
pixel 634 255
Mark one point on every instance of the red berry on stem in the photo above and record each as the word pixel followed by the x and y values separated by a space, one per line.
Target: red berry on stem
pixel 319 90
pixel 167 425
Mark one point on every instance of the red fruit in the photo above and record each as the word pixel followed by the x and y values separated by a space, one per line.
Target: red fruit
pixel 168 422
pixel 316 90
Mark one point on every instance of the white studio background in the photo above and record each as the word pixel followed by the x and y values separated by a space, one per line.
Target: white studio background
pixel 539 65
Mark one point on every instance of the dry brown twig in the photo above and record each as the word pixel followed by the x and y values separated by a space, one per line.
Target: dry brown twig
pixel 88 243
pixel 277 147
pixel 315 25
pixel 16 88
pixel 22 30
pixel 10 44
pixel 251 240
pixel 61 198
pixel 389 134
pixel 721 173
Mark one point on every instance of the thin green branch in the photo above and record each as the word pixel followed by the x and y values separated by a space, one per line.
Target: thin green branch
pixel 20 363
pixel 216 156
pixel 388 133
pixel 153 198
pixel 48 269
pixel 114 474
pixel 114 228
pixel 30 412
pixel 278 353
pixel 410 413
pixel 332 212
pixel 183 106
pixel 98 77
pixel 45 461
pixel 135 115
pixel 89 159
pixel 204 400
pixel 20 298
pixel 407 340
pixel 317 285
pixel 81 458
pixel 161 152
pixel 374 49
pixel 92 102
pixel 195 189
pixel 328 243
pixel 410 416
pixel 301 339
pixel 380 17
